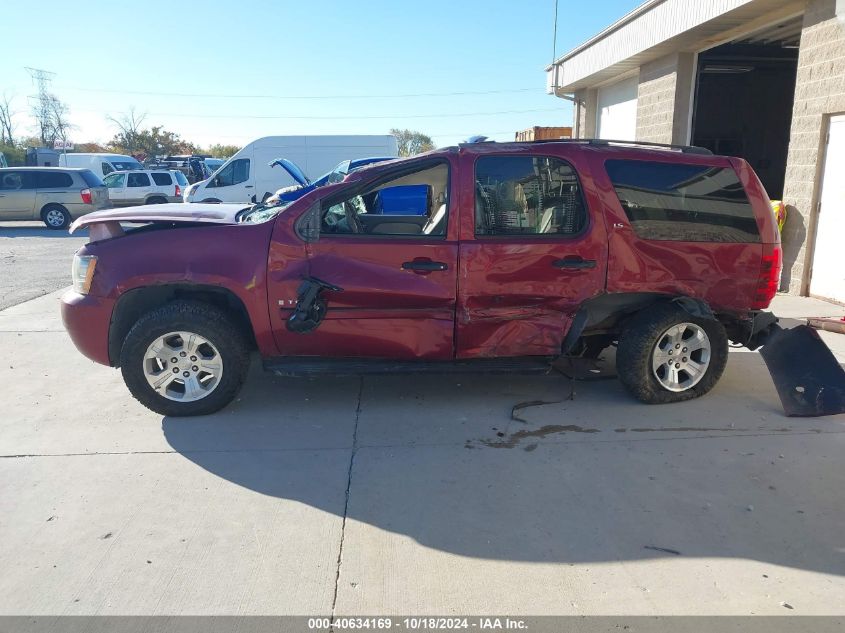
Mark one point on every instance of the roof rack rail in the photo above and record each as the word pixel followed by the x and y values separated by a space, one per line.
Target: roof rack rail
pixel 686 149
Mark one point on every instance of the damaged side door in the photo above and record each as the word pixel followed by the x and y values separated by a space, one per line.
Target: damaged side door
pixel 531 251
pixel 385 285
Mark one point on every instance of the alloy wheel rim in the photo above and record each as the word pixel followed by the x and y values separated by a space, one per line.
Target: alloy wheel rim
pixel 55 217
pixel 182 366
pixel 681 357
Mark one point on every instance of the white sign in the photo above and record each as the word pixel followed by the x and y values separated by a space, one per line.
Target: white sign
pixel 60 144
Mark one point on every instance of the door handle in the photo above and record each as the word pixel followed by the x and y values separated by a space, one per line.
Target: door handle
pixel 248 186
pixel 574 263
pixel 424 265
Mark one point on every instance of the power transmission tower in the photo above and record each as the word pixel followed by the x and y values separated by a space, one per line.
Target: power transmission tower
pixel 47 109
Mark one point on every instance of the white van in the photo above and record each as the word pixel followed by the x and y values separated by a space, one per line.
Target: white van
pixel 248 177
pixel 100 164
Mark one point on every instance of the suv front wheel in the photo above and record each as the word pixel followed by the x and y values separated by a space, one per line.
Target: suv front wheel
pixel 184 359
pixel 667 355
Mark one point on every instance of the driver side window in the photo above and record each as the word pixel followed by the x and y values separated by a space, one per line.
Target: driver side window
pixel 234 173
pixel 414 204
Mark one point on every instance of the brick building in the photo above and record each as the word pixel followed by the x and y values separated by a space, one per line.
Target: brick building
pixel 761 79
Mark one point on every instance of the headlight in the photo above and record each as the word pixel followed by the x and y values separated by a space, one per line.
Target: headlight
pixel 82 272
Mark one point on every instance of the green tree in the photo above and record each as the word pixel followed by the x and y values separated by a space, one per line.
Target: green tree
pixel 155 141
pixel 15 155
pixel 222 151
pixel 412 142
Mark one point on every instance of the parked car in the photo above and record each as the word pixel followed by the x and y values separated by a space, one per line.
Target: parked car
pixel 100 164
pixel 53 195
pixel 528 253
pixel 130 188
pixel 249 177
pixel 304 185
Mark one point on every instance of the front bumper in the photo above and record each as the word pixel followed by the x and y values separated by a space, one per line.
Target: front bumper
pixel 87 320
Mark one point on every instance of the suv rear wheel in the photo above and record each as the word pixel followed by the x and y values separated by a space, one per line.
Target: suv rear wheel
pixel 667 355
pixel 55 216
pixel 184 359
pixel 156 200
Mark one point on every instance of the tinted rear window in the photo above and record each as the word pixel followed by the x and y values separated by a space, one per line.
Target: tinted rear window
pixel 180 178
pixel 54 179
pixel 138 180
pixel 162 179
pixel 91 179
pixel 690 203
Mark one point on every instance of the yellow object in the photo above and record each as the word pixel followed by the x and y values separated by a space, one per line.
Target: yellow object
pixel 780 213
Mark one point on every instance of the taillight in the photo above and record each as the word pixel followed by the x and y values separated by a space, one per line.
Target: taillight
pixel 769 279
pixel 178 193
pixel 86 196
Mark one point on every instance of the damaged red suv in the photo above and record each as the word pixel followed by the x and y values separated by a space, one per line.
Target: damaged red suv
pixel 524 253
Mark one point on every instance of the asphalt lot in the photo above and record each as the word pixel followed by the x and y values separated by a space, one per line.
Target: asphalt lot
pixel 410 495
pixel 35 260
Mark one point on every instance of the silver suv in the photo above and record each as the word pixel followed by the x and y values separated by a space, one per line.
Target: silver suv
pixel 55 195
pixel 136 187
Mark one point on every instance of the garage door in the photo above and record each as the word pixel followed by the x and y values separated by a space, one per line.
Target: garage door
pixel 617 110
pixel 828 278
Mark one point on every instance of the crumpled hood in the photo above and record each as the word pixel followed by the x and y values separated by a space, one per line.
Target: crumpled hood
pixel 172 212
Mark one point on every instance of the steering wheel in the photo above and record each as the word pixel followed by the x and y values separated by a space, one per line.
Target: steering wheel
pixel 352 220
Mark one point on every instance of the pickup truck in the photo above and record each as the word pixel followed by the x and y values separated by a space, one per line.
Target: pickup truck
pixel 527 253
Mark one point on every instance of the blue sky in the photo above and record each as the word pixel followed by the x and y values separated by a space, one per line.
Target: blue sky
pixel 235 71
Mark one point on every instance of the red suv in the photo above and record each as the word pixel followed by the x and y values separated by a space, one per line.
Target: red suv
pixel 526 252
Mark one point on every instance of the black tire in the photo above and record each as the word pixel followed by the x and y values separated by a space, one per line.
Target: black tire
pixel 199 318
pixel 211 201
pixel 637 343
pixel 53 211
pixel 156 200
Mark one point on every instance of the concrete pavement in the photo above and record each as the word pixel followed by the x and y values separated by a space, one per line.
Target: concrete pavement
pixel 410 495
pixel 35 260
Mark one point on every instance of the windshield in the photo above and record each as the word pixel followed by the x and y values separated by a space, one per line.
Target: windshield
pixel 125 165
pixel 335 175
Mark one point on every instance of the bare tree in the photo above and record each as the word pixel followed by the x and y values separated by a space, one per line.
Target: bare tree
pixel 58 116
pixel 7 125
pixel 130 134
pixel 51 119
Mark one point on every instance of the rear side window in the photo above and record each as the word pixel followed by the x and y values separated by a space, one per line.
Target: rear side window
pixel 138 180
pixel 161 179
pixel 16 180
pixel 53 180
pixel 689 203
pixel 91 179
pixel 527 195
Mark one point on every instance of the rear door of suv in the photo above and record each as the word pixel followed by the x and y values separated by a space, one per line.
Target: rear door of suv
pixel 138 187
pixel 682 225
pixel 532 249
